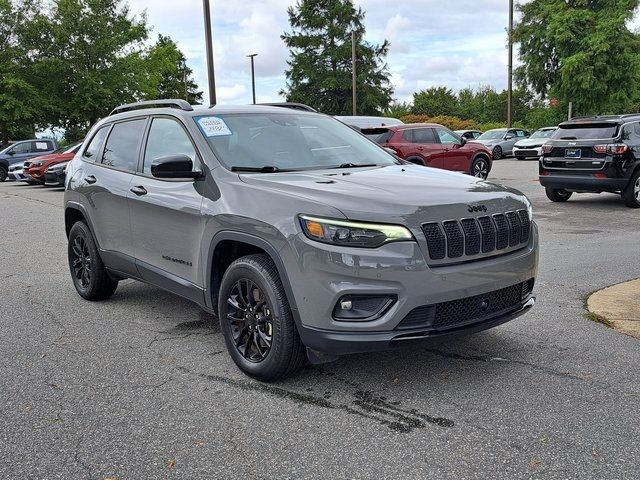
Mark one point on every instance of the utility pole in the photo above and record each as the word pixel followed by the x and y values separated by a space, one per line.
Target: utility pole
pixel 510 68
pixel 353 70
pixel 184 79
pixel 209 51
pixel 253 76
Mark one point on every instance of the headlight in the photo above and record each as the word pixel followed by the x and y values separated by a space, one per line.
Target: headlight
pixel 352 234
pixel 58 167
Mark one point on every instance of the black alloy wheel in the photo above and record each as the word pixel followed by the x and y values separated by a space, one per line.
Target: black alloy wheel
pixel 497 152
pixel 251 320
pixel 480 168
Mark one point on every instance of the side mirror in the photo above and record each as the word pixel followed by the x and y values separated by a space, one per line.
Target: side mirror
pixel 11 152
pixel 174 166
pixel 463 141
pixel 508 136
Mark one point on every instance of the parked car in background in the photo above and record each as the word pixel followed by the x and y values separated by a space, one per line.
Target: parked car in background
pixel 35 169
pixel 593 155
pixel 356 251
pixel 468 134
pixel 16 172
pixel 433 145
pixel 22 151
pixel 532 147
pixel 501 140
pixel 368 122
pixel 55 175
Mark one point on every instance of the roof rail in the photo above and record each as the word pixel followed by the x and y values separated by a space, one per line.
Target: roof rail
pixel 173 103
pixel 291 105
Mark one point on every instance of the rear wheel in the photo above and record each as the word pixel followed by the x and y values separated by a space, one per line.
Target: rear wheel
pixel 497 152
pixel 631 194
pixel 3 173
pixel 89 275
pixel 416 160
pixel 558 195
pixel 256 320
pixel 480 168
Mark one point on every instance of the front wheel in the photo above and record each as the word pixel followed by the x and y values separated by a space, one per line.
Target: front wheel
pixel 497 152
pixel 558 195
pixel 480 168
pixel 631 194
pixel 256 320
pixel 89 275
pixel 3 173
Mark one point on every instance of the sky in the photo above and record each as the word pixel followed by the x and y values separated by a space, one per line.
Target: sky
pixel 457 43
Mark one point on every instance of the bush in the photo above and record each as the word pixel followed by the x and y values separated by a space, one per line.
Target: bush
pixel 453 123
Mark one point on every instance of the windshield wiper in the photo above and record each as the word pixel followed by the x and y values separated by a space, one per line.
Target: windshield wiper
pixel 265 169
pixel 354 165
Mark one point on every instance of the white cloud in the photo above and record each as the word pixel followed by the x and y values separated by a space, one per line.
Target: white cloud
pixel 433 42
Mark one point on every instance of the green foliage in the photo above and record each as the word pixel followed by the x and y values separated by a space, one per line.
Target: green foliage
pixel 70 62
pixel 166 74
pixel 539 117
pixel 398 109
pixel 453 123
pixel 319 71
pixel 582 52
pixel 435 101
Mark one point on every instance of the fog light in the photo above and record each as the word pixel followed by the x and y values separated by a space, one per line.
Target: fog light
pixel 353 308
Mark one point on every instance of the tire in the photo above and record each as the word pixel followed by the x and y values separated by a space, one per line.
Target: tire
pixel 631 194
pixel 416 161
pixel 4 172
pixel 558 195
pixel 89 275
pixel 256 320
pixel 497 152
pixel 480 168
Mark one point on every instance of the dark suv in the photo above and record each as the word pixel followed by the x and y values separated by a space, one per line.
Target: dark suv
pixel 594 155
pixel 434 145
pixel 304 237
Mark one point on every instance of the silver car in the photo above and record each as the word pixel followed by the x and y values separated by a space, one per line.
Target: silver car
pixel 532 147
pixel 501 140
pixel 305 238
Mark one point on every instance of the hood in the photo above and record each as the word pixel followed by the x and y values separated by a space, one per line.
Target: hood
pixel 531 142
pixel 405 194
pixel 53 158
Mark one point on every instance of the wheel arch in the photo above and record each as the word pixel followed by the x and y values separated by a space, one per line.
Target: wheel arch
pixel 227 246
pixel 75 212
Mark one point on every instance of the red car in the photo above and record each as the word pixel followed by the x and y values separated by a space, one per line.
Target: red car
pixel 34 169
pixel 433 145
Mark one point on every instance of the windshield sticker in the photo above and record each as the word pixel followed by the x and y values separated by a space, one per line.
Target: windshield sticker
pixel 214 127
pixel 41 145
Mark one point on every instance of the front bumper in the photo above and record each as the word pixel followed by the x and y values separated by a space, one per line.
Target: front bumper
pixel 526 152
pixel 54 178
pixel 320 275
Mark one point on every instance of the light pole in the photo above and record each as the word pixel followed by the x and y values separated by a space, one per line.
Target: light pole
pixel 353 71
pixel 183 65
pixel 209 45
pixel 253 76
pixel 510 68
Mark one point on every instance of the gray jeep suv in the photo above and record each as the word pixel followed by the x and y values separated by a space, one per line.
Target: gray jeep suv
pixel 305 238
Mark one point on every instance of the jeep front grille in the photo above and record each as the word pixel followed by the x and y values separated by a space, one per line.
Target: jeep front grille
pixel 474 238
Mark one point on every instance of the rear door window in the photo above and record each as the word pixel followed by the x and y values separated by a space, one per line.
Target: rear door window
pixel 586 132
pixel 424 135
pixel 123 145
pixel 41 146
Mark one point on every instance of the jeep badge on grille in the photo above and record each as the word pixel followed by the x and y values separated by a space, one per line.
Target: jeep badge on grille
pixel 477 208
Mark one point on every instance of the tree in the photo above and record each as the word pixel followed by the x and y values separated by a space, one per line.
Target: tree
pixel 435 101
pixel 19 97
pixel 92 52
pixel 166 74
pixel 580 51
pixel 319 71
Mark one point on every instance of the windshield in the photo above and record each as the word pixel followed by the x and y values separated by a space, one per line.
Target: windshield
pixel 586 132
pixel 288 141
pixel 492 135
pixel 543 134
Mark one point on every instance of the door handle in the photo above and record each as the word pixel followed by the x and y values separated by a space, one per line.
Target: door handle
pixel 139 190
pixel 90 179
pixel 420 148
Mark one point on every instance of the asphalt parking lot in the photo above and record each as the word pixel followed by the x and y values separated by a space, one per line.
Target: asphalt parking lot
pixel 141 386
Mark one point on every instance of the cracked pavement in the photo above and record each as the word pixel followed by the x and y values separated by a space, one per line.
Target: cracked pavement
pixel 141 386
